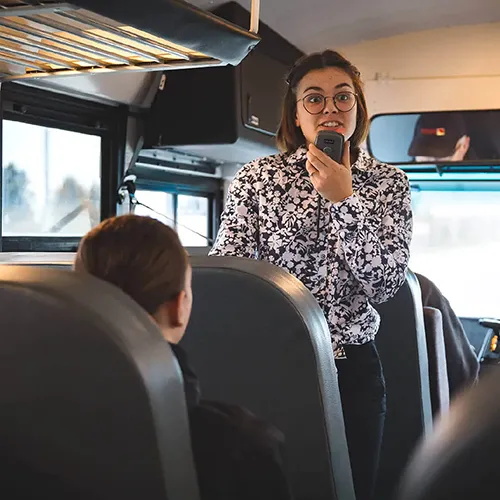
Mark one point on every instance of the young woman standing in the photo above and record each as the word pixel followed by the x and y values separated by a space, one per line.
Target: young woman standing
pixel 343 229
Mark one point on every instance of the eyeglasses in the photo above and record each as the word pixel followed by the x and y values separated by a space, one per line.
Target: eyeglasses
pixel 315 103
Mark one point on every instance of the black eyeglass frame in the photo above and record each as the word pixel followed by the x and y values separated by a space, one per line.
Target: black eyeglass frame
pixel 329 97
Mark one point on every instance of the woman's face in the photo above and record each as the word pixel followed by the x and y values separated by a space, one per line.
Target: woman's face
pixel 312 90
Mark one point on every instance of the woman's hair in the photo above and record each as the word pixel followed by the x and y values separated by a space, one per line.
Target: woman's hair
pixel 140 255
pixel 289 136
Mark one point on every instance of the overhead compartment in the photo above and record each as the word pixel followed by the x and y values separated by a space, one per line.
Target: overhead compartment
pixel 52 38
pixel 226 115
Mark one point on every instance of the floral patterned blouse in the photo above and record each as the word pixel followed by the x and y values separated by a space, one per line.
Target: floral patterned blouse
pixel 348 254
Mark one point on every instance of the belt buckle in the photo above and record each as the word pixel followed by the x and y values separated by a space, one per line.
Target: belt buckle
pixel 339 353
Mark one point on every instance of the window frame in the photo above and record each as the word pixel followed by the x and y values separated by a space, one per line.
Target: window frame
pixel 45 108
pixel 181 184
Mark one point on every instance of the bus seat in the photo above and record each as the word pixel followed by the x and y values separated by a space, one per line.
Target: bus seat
pixel 438 374
pixel 91 397
pixel 459 460
pixel 258 338
pixel 402 345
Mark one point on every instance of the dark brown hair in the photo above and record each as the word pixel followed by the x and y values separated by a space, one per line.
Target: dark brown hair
pixel 140 255
pixel 289 136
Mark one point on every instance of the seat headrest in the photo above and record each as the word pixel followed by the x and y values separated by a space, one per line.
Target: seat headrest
pixel 258 338
pixel 459 460
pixel 90 392
pixel 402 345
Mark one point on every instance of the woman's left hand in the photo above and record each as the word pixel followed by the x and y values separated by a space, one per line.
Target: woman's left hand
pixel 331 180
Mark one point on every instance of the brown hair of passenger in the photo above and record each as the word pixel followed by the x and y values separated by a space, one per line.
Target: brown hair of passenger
pixel 144 258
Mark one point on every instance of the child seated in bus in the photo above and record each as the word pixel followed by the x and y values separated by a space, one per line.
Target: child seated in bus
pixel 237 456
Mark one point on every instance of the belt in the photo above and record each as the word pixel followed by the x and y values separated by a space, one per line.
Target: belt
pixel 339 353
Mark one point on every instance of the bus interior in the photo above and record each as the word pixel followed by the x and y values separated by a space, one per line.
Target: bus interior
pixel 151 107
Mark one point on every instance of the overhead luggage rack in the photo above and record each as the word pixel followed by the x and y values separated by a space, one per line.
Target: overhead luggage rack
pixel 96 36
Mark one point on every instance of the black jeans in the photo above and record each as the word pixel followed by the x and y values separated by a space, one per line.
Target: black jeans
pixel 362 391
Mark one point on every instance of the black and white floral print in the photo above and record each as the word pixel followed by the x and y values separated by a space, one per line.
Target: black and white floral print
pixel 349 254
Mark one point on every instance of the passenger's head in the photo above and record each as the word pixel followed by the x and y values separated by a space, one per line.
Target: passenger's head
pixel 146 260
pixel 324 93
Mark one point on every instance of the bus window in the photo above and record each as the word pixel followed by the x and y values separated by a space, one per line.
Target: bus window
pixel 456 244
pixel 51 181
pixel 188 214
pixel 193 215
pixel 161 203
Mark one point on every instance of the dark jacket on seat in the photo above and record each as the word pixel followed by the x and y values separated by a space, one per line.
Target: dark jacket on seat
pixel 462 363
pixel 237 455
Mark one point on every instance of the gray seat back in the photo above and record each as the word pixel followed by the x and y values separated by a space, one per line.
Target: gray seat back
pixel 402 345
pixel 438 375
pixel 258 338
pixel 459 460
pixel 91 397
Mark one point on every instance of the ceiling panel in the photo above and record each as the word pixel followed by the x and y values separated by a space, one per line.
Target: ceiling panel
pixel 318 24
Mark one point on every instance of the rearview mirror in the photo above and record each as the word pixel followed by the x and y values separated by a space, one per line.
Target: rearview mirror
pixel 466 137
